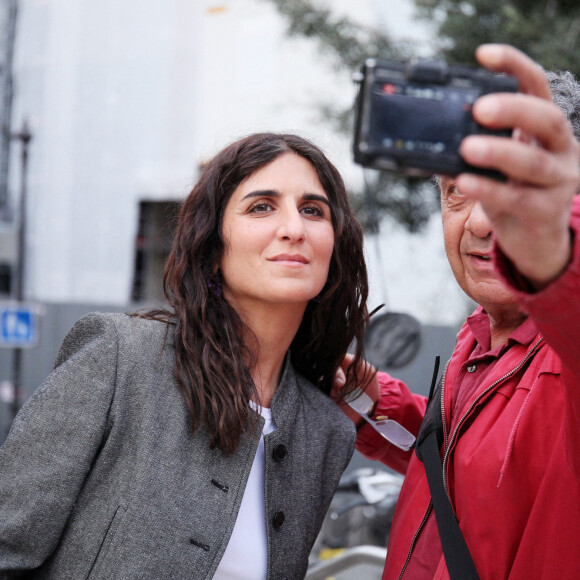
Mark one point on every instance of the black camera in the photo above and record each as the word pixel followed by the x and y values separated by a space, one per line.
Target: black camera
pixel 411 117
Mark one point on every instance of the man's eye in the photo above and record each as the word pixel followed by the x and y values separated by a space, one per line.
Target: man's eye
pixel 454 195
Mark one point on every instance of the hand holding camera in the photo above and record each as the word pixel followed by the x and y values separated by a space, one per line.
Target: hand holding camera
pixel 530 213
pixel 454 121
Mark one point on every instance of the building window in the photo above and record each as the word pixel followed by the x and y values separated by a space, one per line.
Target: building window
pixel 156 225
pixel 5 279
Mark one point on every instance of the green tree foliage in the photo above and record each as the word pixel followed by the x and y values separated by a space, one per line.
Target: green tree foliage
pixel 547 30
pixel 347 44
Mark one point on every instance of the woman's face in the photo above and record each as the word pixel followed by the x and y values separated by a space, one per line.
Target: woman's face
pixel 278 236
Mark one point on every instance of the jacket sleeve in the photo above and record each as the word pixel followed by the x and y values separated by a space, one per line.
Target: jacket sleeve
pixel 556 311
pixel 52 444
pixel 398 403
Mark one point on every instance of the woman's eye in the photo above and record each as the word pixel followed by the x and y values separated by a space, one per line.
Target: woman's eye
pixel 313 210
pixel 261 207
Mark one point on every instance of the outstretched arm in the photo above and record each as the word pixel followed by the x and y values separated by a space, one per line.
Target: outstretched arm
pixel 535 215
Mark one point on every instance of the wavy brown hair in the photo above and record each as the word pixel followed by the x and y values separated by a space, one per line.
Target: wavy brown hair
pixel 213 361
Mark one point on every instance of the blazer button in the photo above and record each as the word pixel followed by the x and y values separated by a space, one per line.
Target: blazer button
pixel 279 453
pixel 278 520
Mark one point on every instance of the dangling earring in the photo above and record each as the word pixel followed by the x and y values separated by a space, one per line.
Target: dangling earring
pixel 214 284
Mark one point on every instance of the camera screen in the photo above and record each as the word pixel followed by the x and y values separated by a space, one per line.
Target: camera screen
pixel 413 118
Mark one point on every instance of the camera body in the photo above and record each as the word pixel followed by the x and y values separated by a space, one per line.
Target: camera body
pixel 411 117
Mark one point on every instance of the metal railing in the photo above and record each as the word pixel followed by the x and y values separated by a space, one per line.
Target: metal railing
pixel 351 557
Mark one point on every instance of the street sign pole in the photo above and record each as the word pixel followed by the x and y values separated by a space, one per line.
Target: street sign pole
pixel 24 136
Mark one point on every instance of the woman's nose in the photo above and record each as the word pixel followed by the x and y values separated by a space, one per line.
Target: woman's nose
pixel 291 226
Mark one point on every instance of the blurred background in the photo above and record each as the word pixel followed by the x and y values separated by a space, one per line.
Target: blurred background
pixel 109 109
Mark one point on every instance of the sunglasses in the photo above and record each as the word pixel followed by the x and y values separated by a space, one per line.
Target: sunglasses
pixel 392 431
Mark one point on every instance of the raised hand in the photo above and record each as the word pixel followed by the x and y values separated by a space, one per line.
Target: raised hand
pixel 530 212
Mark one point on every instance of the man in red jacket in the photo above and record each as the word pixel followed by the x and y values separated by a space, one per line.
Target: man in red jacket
pixel 510 396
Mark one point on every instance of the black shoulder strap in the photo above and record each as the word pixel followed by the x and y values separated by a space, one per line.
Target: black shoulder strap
pixel 457 557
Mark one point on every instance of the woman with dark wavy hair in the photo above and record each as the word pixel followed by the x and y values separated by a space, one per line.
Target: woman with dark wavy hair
pixel 199 441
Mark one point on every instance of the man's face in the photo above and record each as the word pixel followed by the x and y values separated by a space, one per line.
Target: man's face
pixel 468 244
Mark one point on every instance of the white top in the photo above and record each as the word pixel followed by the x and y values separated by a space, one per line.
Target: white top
pixel 246 555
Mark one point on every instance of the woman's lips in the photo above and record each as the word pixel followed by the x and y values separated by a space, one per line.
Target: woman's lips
pixel 293 258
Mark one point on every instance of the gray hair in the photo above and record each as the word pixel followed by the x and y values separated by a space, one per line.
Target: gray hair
pixel 566 94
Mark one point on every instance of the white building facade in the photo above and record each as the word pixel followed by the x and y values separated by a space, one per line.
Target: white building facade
pixel 126 98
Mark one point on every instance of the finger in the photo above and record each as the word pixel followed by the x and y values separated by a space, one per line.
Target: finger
pixel 498 200
pixel 511 201
pixel 496 194
pixel 507 59
pixel 364 373
pixel 538 118
pixel 347 360
pixel 520 161
pixel 339 379
pixel 521 135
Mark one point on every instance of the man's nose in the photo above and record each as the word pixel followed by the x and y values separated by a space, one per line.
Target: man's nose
pixel 478 223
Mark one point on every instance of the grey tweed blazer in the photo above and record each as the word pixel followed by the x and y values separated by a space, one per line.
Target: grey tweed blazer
pixel 101 478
